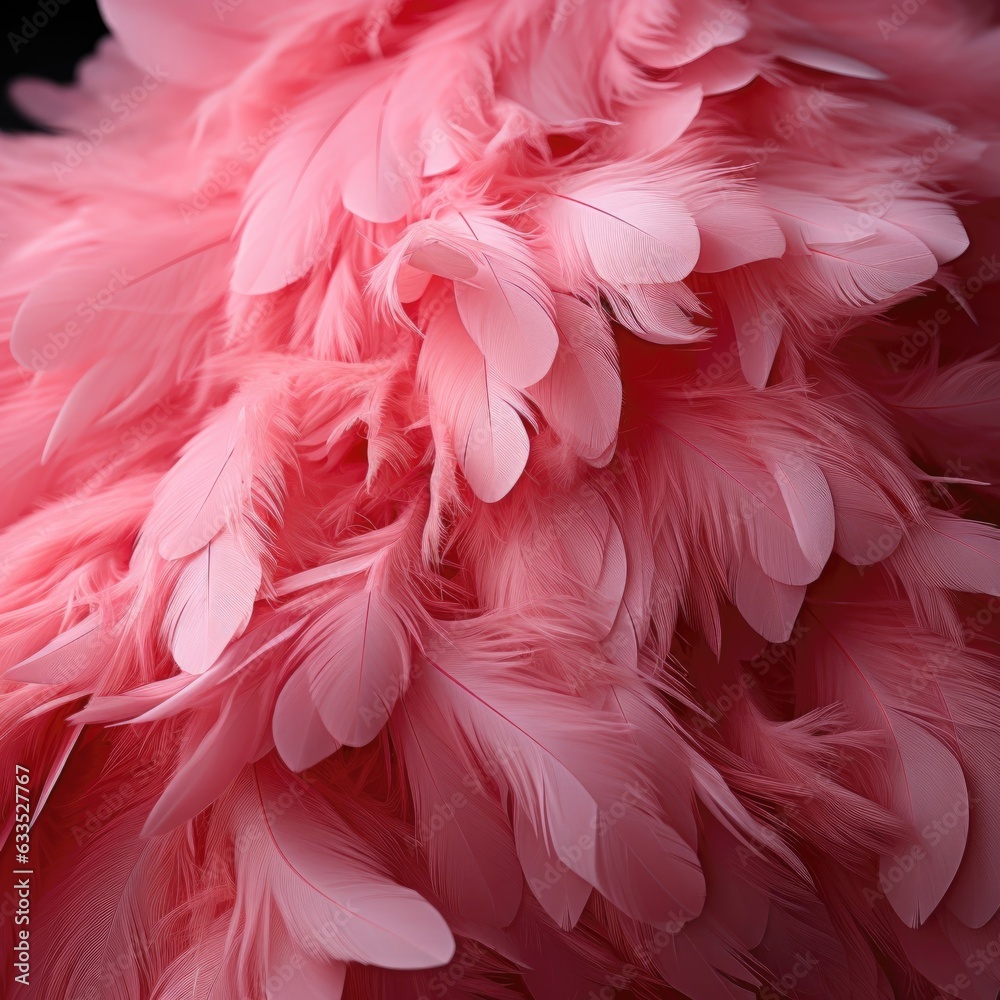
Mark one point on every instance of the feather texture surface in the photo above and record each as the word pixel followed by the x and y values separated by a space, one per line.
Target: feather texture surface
pixel 500 501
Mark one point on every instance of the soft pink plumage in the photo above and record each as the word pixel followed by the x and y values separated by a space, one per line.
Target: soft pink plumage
pixel 498 503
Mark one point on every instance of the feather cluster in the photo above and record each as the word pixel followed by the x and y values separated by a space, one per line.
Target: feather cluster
pixel 497 502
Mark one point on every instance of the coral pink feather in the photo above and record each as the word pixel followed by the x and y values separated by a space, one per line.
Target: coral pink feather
pixel 499 502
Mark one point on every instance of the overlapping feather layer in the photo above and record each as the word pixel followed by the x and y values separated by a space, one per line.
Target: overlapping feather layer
pixel 497 501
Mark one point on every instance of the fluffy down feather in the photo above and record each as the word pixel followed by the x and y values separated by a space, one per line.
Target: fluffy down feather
pixel 527 532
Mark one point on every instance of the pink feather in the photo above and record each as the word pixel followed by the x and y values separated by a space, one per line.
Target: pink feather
pixel 356 658
pixel 211 603
pixel 321 878
pixel 581 396
pixel 461 825
pixel 500 502
pixel 623 233
pixel 925 779
pixel 480 410
pixel 564 800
